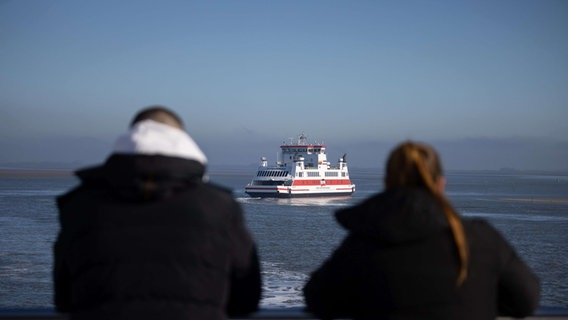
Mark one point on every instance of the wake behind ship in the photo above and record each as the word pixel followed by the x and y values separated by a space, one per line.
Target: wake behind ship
pixel 301 170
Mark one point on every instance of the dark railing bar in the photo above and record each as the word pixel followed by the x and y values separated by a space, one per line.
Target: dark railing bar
pixel 542 313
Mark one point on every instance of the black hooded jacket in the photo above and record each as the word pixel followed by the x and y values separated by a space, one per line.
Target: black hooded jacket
pixel 399 261
pixel 143 237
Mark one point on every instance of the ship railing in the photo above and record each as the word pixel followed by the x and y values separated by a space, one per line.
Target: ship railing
pixel 542 313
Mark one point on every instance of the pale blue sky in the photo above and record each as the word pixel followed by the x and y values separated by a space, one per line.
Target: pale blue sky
pixel 486 82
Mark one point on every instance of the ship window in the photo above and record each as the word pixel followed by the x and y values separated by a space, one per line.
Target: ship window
pixel 269 183
pixel 300 174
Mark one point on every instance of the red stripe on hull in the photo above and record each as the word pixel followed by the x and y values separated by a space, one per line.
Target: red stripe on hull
pixel 327 182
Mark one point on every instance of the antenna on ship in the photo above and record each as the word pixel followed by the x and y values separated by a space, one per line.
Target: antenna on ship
pixel 302 139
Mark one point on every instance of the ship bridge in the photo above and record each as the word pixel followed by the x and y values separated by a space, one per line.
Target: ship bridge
pixel 313 155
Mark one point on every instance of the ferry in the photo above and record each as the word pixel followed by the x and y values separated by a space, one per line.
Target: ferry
pixel 301 170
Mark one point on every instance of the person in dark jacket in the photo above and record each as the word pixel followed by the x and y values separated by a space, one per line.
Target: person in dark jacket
pixel 144 236
pixel 409 255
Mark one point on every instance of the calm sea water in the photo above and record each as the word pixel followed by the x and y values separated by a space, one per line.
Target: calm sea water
pixel 296 235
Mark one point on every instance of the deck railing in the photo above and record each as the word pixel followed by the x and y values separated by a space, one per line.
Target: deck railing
pixel 543 313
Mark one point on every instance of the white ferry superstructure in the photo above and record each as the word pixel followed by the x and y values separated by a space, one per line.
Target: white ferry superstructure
pixel 301 170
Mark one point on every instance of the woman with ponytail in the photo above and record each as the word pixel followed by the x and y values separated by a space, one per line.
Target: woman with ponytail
pixel 409 255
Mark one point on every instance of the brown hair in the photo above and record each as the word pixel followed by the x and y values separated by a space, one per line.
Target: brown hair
pixel 418 164
pixel 159 114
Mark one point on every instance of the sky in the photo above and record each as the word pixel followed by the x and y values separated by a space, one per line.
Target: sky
pixel 484 82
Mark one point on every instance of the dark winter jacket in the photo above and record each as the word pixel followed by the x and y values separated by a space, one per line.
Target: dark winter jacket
pixel 399 261
pixel 143 237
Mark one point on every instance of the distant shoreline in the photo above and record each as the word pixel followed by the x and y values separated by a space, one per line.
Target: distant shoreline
pixel 9 171
pixel 535 200
pixel 23 172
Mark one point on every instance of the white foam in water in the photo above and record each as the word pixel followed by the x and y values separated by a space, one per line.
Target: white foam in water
pixel 247 199
pixel 281 288
pixel 301 202
pixel 314 201
pixel 16 272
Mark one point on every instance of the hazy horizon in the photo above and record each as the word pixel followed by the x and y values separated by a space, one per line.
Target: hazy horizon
pixel 466 154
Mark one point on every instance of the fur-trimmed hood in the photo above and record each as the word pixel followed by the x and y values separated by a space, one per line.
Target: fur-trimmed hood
pixel 150 161
pixel 154 138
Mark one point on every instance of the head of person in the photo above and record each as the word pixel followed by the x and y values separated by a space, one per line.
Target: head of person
pixel 415 164
pixel 156 130
pixel 159 114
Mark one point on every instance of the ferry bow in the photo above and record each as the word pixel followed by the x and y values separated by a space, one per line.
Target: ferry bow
pixel 301 170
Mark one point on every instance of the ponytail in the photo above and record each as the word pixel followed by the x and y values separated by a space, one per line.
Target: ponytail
pixel 418 164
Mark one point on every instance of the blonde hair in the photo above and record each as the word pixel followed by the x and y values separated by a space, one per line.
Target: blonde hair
pixel 418 164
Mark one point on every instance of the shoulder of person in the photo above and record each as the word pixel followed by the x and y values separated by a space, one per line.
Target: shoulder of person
pixel 478 225
pixel 218 187
pixel 482 230
pixel 88 178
